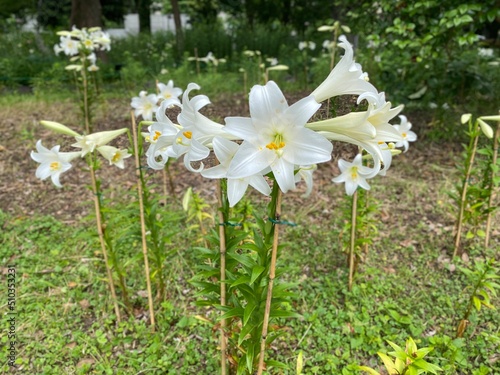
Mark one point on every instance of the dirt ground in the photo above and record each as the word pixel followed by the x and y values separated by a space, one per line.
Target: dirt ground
pixel 22 194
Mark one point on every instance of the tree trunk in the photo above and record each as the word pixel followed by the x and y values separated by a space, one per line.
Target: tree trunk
pixel 85 13
pixel 178 26
pixel 144 10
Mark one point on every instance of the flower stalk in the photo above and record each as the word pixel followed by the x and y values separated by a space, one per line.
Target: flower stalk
pixel 354 211
pixel 222 213
pixel 276 197
pixel 102 241
pixel 138 174
pixel 471 153
pixel 492 186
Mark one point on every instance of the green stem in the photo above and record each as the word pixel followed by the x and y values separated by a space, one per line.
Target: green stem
pixel 275 207
pixel 97 206
pixel 223 216
pixel 471 153
pixel 354 210
pixel 140 190
pixel 492 192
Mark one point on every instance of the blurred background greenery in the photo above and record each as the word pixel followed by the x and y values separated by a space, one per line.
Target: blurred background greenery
pixel 432 56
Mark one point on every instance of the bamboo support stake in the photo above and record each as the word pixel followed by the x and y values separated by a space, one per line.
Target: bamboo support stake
pixel 222 248
pixel 272 274
pixel 464 194
pixel 492 192
pixel 354 211
pixel 103 243
pixel 143 225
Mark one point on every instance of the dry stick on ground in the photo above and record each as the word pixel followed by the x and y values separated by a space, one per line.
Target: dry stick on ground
pixel 492 192
pixel 222 247
pixel 272 274
pixel 143 224
pixel 102 242
pixel 463 199
pixel 354 211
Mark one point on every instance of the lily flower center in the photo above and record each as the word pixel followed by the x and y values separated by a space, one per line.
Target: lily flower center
pixel 354 173
pixel 55 166
pixel 404 135
pixel 116 157
pixel 157 135
pixel 277 144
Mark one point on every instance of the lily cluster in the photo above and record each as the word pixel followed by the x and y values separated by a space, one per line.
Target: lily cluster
pixel 54 162
pixel 82 44
pixel 278 139
pixel 146 104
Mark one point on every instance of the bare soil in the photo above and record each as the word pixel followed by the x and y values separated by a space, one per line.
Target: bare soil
pixel 427 169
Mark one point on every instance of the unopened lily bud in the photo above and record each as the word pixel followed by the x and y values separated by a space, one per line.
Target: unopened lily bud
pixel 59 128
pixel 465 118
pixel 486 129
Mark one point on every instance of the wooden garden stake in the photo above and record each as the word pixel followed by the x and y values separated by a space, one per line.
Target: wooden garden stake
pixel 354 211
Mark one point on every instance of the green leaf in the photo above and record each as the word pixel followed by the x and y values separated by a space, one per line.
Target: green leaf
pixel 277 364
pixel 420 363
pixel 237 311
pixel 249 357
pixel 245 331
pixel 256 272
pixel 241 280
pixel 244 259
pixel 477 303
pixel 389 365
pixel 284 314
pixel 249 308
pixel 368 370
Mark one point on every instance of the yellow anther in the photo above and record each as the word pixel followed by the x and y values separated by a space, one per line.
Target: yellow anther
pixel 404 135
pixel 55 166
pixel 157 135
pixel 187 134
pixel 277 144
pixel 116 157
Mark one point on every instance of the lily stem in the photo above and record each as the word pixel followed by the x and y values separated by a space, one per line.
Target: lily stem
pixel 354 211
pixel 222 249
pixel 492 185
pixel 471 153
pixel 272 275
pixel 102 241
pixel 139 176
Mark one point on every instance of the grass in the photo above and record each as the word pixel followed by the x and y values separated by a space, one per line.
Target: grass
pixel 66 324
pixel 407 285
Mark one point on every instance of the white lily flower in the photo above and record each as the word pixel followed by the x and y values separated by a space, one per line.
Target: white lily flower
pixel 144 105
pixel 162 135
pixel 353 174
pixel 88 143
pixel 68 45
pixel 114 155
pixel 404 129
pixel 225 150
pixel 366 129
pixel 346 78
pixel 197 130
pixel 275 137
pixel 52 162
pixel 168 91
